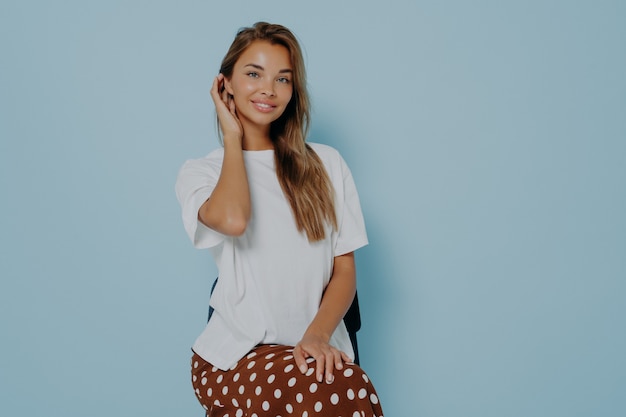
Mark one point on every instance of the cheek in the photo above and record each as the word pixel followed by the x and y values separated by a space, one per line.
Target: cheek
pixel 241 93
pixel 287 94
pixel 239 100
pixel 241 86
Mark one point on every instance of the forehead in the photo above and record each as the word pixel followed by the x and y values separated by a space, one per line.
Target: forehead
pixel 267 55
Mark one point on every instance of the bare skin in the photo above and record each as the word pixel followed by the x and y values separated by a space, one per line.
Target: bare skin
pixel 256 95
pixel 228 209
pixel 335 303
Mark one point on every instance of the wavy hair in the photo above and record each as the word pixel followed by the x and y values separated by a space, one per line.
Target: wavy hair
pixel 300 171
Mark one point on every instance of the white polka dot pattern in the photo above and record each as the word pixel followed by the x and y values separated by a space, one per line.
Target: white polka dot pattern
pixel 318 406
pixel 267 382
pixel 350 394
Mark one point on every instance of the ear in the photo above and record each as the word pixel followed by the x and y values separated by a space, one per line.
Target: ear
pixel 228 86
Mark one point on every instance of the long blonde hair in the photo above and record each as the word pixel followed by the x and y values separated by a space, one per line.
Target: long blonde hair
pixel 300 171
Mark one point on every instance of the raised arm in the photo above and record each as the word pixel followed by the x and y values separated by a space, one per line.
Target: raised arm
pixel 228 208
pixel 335 303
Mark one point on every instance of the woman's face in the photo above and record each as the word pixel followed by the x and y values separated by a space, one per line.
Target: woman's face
pixel 261 84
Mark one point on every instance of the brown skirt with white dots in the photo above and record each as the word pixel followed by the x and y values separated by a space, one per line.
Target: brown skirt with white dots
pixel 267 383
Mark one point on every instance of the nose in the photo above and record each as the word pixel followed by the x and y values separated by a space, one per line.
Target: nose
pixel 268 88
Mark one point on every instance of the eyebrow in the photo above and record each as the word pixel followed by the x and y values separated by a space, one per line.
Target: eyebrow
pixel 282 71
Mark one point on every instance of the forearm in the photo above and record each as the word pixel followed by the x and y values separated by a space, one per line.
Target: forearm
pixel 228 208
pixel 336 299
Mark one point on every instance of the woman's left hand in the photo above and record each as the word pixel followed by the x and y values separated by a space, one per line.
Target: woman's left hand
pixel 327 357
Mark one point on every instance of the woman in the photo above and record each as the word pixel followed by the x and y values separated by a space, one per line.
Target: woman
pixel 282 219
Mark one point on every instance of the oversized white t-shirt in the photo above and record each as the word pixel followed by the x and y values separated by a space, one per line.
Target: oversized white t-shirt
pixel 271 278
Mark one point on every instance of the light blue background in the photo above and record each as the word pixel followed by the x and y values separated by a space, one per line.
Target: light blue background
pixel 488 142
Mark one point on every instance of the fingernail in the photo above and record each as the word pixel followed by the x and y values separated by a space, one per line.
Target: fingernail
pixel 303 368
pixel 330 379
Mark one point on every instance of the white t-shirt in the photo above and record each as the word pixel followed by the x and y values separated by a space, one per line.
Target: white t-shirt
pixel 271 278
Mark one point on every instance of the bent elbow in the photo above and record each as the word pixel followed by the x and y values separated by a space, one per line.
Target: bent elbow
pixel 235 226
pixel 233 223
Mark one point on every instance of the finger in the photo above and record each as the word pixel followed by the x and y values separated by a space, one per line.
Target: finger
pixel 225 96
pixel 231 105
pixel 339 360
pixel 300 357
pixel 215 89
pixel 330 366
pixel 320 362
pixel 345 357
pixel 216 95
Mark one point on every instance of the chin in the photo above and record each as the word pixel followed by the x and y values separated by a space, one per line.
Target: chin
pixel 265 119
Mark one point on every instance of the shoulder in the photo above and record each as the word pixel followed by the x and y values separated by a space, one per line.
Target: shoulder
pixel 199 172
pixel 210 162
pixel 324 151
pixel 331 158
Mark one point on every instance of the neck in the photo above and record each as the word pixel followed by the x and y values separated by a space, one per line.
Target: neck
pixel 257 139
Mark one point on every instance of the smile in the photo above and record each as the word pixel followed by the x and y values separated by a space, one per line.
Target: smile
pixel 263 107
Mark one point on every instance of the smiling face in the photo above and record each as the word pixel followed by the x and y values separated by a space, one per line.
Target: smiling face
pixel 261 84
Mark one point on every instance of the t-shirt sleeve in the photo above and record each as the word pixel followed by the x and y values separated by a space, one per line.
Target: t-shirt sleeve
pixel 351 226
pixel 194 185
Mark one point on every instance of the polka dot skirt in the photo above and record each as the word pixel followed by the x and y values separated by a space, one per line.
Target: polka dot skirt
pixel 267 383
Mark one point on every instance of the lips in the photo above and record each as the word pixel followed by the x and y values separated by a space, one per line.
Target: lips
pixel 263 106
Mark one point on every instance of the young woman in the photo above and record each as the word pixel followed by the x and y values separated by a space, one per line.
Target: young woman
pixel 282 219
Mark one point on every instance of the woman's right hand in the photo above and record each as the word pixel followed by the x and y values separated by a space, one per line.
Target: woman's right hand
pixel 228 209
pixel 226 112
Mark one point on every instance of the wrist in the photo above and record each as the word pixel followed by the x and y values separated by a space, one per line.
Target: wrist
pixel 232 145
pixel 317 333
pixel 232 138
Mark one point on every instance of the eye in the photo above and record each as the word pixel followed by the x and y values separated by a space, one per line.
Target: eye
pixel 284 80
pixel 253 74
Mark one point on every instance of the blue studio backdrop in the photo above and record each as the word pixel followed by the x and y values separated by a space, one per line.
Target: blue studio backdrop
pixel 488 143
